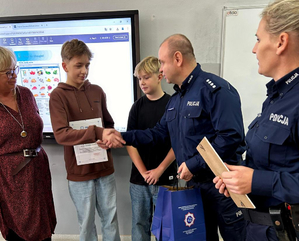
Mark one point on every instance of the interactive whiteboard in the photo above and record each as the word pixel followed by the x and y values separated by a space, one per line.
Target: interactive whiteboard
pixel 113 38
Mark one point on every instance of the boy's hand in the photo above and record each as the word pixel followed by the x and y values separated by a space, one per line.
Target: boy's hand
pixel 111 138
pixel 103 144
pixel 153 176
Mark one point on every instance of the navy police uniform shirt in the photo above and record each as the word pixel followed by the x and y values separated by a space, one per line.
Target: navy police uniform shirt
pixel 273 145
pixel 205 105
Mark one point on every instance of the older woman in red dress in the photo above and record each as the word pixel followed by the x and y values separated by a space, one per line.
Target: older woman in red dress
pixel 26 201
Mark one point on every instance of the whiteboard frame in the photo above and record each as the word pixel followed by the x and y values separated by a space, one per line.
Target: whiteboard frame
pixel 225 8
pixel 240 71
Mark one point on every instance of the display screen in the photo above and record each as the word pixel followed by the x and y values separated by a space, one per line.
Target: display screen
pixel 112 38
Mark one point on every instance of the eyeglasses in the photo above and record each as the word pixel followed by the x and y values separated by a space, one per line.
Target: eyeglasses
pixel 11 72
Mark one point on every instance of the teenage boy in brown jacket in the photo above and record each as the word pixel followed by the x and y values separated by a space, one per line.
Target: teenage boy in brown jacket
pixel 91 185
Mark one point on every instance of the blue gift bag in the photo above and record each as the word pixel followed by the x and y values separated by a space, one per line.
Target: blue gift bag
pixel 179 216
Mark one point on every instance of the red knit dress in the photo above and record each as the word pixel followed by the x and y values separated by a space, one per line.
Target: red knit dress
pixel 26 201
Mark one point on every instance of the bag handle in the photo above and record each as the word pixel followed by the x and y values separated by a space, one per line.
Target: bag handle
pixel 177 187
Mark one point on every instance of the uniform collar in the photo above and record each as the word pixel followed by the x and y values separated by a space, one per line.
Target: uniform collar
pixel 284 84
pixel 188 81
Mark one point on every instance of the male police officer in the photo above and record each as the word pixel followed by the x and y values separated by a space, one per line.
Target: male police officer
pixel 203 105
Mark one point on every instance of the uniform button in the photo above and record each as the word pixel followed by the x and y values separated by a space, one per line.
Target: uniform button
pixel 257 125
pixel 271 102
pixel 265 137
pixel 281 94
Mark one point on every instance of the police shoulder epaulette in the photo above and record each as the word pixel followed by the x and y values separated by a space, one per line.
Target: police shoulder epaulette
pixel 211 85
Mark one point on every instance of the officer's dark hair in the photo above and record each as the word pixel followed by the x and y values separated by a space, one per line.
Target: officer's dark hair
pixel 179 42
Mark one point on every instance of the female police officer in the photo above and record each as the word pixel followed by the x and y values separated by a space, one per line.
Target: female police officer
pixel 272 173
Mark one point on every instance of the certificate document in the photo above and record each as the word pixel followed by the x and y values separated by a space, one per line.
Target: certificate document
pixel 88 153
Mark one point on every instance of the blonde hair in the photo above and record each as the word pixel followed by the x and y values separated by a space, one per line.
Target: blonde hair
pixel 179 42
pixel 74 48
pixel 7 58
pixel 150 65
pixel 282 16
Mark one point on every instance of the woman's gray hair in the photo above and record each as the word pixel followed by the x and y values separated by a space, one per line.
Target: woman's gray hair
pixel 7 58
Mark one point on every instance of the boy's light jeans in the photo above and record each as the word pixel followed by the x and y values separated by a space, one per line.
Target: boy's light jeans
pixel 143 199
pixel 101 194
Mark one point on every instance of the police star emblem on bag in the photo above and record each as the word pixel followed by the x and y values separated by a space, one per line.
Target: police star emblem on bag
pixel 189 219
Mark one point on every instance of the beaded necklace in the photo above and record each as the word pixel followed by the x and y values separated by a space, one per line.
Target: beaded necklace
pixel 23 132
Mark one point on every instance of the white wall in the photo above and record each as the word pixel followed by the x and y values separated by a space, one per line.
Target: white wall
pixel 199 20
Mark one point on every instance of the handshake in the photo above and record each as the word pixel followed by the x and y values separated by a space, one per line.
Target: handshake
pixel 111 138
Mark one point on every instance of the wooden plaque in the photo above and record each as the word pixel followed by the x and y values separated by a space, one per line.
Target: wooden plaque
pixel 218 167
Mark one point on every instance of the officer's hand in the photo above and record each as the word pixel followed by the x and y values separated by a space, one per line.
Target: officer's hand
pixel 239 179
pixel 219 184
pixel 184 173
pixel 111 138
